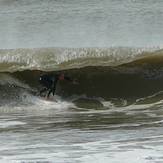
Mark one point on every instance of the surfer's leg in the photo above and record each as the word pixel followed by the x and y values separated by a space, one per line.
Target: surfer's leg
pixel 50 91
pixel 43 90
pixel 53 90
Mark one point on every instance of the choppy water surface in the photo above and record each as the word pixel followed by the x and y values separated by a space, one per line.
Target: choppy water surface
pixel 80 23
pixel 113 49
pixel 62 132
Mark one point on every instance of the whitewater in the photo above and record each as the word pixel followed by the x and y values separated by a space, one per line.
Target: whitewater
pixel 113 49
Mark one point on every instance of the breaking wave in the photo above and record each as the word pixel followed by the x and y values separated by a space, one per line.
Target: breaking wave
pixel 53 59
pixel 111 74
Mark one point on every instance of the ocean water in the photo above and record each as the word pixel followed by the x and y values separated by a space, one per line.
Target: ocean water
pixel 113 49
pixel 74 23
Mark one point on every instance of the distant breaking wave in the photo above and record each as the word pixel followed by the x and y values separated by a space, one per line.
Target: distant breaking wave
pixel 54 59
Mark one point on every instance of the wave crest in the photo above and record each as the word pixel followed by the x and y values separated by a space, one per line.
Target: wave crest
pixel 51 59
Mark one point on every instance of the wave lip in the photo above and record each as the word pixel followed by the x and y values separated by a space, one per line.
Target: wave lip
pixel 51 59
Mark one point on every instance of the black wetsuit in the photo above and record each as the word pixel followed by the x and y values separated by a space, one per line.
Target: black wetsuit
pixel 49 81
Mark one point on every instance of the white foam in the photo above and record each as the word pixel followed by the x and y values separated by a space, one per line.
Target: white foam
pixel 41 103
pixel 67 58
pixel 4 124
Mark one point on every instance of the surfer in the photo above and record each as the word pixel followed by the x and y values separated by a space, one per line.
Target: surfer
pixel 49 81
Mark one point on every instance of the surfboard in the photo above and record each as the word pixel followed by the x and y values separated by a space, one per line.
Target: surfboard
pixel 51 99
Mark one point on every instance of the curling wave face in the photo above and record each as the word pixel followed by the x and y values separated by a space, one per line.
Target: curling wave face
pixel 109 74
